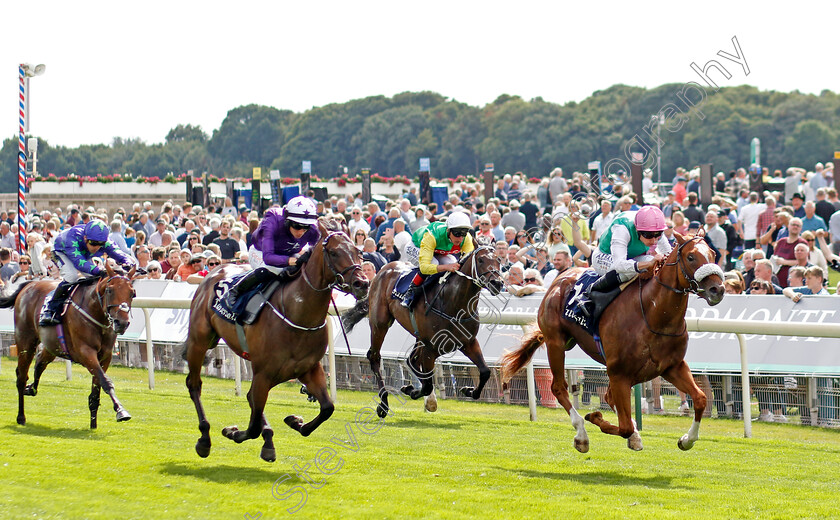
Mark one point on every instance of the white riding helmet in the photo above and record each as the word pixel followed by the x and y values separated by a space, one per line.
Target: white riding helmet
pixel 458 220
pixel 301 210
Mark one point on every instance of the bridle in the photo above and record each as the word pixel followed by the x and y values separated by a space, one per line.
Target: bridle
pixel 104 303
pixel 479 279
pixel 694 280
pixel 340 281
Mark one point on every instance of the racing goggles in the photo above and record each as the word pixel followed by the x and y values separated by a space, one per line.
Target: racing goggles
pixel 459 232
pixel 650 234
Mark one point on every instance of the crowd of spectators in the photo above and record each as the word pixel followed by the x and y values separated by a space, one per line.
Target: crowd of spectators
pixel 767 242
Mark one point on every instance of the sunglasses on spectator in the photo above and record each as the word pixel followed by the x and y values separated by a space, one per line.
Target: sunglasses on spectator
pixel 213 264
pixel 24 263
pixel 756 286
pixel 96 243
pixel 650 234
pixel 298 226
pixel 153 270
pixel 458 232
pixel 530 279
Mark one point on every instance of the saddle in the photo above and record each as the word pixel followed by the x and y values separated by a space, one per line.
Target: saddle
pixel 404 282
pixel 51 303
pixel 249 305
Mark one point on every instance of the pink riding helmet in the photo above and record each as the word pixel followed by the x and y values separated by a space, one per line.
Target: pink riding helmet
pixel 650 218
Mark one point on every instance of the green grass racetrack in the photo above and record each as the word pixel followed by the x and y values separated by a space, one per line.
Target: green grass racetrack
pixel 467 460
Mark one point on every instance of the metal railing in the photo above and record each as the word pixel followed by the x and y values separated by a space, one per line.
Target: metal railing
pixel 524 319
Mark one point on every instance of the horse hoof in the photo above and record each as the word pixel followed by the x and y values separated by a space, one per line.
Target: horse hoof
pixel 21 420
pixel 202 448
pixel 431 406
pixel 123 415
pixel 30 391
pixel 582 445
pixel 684 443
pixel 228 431
pixel 407 389
pixel 467 391
pixel 294 422
pixel 382 411
pixel 93 424
pixel 634 442
pixel 268 454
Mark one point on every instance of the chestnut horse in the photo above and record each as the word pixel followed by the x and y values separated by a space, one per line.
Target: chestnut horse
pixel 287 340
pixel 643 335
pixel 444 320
pixel 96 314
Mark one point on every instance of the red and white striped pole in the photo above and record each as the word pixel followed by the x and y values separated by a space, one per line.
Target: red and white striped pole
pixel 22 163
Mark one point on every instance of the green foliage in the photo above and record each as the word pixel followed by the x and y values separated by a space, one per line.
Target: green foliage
pixel 389 135
pixel 467 460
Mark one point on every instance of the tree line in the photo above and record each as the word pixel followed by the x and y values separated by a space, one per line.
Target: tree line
pixel 390 134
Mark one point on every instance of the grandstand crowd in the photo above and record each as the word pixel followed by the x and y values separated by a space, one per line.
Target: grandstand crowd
pixel 774 242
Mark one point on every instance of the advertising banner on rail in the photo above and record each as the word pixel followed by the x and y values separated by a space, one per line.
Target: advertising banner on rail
pixel 707 351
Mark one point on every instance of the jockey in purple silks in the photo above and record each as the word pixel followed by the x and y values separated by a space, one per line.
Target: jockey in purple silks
pixel 282 237
pixel 75 249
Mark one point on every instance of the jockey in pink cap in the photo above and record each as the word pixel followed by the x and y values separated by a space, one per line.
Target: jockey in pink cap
pixel 632 245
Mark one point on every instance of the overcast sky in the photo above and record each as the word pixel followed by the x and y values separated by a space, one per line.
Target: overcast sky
pixel 137 69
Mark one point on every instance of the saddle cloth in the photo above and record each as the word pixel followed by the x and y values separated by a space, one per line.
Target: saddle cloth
pixel 249 304
pixel 49 297
pixel 404 282
pixel 600 301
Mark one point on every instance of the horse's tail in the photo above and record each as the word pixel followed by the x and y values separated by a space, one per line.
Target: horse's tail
pixel 353 316
pixel 9 301
pixel 512 362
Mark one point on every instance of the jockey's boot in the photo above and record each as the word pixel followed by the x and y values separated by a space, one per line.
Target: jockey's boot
pixel 408 297
pixel 605 283
pixel 248 282
pixel 52 315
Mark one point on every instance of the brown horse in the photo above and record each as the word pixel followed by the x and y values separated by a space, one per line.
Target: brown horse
pixel 643 335
pixel 287 341
pixel 96 314
pixel 444 320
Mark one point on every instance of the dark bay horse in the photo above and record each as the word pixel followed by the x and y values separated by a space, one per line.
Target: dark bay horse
pixel 287 341
pixel 643 335
pixel 445 320
pixel 97 312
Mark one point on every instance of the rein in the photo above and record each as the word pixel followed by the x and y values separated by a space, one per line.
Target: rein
pixel 103 304
pixel 478 279
pixel 693 280
pixel 339 282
